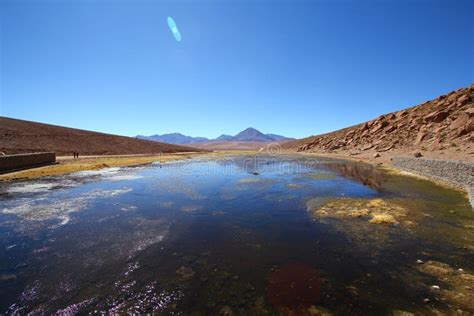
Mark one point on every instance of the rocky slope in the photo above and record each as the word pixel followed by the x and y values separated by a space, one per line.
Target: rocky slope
pixel 18 136
pixel 440 128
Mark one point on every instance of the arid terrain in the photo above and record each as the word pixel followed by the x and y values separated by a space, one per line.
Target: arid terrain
pixel 440 128
pixel 18 136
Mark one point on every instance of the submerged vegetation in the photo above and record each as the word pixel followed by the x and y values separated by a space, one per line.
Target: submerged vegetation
pixel 376 211
pixel 204 236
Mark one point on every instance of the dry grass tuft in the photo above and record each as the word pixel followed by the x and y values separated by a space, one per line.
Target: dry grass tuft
pixel 383 219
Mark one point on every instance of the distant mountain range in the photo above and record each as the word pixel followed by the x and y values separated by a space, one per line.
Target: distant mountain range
pixel 248 135
pixel 174 138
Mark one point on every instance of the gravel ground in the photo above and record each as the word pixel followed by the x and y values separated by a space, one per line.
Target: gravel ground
pixel 457 173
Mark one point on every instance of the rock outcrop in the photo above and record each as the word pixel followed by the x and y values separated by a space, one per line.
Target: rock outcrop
pixel 444 123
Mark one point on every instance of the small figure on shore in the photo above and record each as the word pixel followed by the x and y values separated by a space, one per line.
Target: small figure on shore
pixel 75 154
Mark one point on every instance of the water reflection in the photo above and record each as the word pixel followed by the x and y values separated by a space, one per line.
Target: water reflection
pixel 362 173
pixel 230 236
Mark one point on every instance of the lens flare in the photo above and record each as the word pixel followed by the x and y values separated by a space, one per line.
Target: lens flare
pixel 174 29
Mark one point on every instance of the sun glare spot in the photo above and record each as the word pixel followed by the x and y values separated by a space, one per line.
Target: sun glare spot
pixel 174 29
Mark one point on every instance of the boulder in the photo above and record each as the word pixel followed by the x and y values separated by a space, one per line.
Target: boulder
pixel 367 147
pixel 463 100
pixel 439 129
pixel 387 148
pixel 391 128
pixel 403 113
pixel 470 111
pixel 440 104
pixel 437 117
pixel 466 129
pixel 459 122
pixel 418 120
pixel 421 135
pixel 379 126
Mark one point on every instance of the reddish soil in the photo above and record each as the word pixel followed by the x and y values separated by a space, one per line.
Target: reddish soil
pixel 18 136
pixel 441 128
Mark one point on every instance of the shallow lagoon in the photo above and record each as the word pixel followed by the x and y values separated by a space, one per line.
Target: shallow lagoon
pixel 239 235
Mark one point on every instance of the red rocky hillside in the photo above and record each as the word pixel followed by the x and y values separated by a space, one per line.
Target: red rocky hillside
pixel 441 128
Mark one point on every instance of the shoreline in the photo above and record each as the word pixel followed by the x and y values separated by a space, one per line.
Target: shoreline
pixel 425 174
pixel 66 165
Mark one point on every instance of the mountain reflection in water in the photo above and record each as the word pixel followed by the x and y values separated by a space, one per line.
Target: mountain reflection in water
pixel 234 235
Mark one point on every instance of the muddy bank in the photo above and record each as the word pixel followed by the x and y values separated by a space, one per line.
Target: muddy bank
pixel 457 173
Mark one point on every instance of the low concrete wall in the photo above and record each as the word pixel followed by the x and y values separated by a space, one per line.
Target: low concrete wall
pixel 457 173
pixel 22 161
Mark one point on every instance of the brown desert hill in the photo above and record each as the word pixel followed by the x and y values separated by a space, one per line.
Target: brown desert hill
pixel 440 128
pixel 18 136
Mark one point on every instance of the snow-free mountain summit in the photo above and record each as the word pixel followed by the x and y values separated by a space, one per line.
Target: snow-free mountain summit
pixel 248 135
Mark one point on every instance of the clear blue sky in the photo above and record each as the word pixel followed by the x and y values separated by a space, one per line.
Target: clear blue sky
pixel 289 67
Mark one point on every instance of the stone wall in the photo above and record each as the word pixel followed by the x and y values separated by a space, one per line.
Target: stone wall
pixel 457 173
pixel 22 161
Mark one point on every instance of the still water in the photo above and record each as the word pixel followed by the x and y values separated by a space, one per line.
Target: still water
pixel 239 235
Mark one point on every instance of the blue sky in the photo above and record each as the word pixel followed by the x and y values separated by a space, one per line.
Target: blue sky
pixel 289 67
